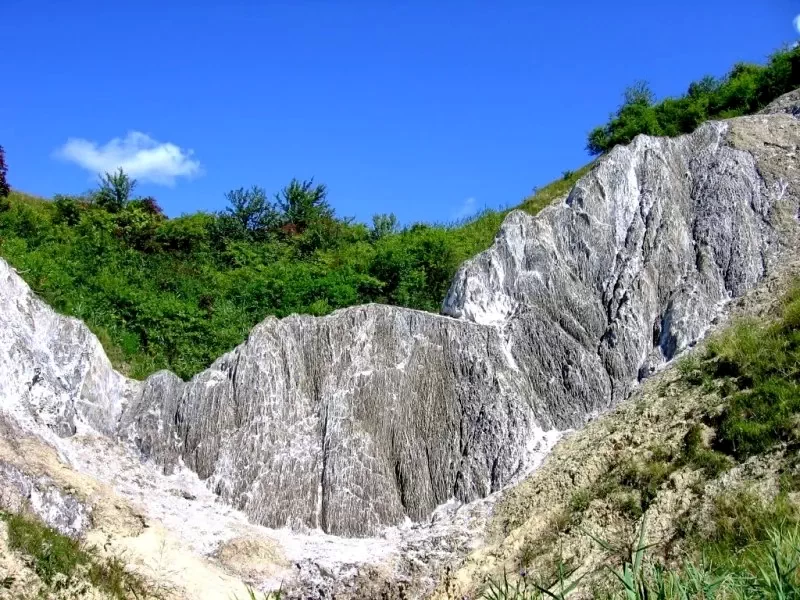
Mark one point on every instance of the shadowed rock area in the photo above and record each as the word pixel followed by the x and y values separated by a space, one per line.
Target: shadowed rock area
pixel 373 414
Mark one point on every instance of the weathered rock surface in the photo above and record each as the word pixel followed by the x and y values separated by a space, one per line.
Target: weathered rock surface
pixel 373 414
pixel 597 291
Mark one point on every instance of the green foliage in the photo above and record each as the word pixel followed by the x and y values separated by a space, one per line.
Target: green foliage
pixel 67 210
pixel 253 595
pixel 177 293
pixel 757 366
pixel 115 190
pixel 549 193
pixel 250 212
pixel 766 567
pixel 745 90
pixel 383 225
pixel 303 203
pixel 56 558
pixel 697 454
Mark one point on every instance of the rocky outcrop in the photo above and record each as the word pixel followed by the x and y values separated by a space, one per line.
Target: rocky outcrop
pixel 597 291
pixel 373 414
pixel 347 422
pixel 53 370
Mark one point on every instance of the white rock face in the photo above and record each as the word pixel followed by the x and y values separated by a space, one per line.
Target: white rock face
pixel 376 414
pixel 53 370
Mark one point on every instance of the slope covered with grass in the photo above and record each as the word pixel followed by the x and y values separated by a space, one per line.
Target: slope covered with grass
pixel 177 293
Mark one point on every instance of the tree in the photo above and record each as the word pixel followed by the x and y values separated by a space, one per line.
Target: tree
pixel 251 210
pixel 303 203
pixel 639 94
pixel 383 225
pixel 5 189
pixel 115 190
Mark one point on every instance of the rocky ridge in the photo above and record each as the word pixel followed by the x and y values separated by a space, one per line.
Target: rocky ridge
pixel 374 414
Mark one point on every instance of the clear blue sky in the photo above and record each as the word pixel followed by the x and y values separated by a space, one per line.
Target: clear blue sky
pixel 409 107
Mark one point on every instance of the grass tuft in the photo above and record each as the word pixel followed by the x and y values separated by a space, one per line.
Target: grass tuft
pixel 59 560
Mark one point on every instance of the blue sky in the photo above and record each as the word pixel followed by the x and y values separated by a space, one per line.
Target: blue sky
pixel 426 109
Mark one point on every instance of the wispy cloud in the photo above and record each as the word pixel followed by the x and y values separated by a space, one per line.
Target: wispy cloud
pixel 137 153
pixel 467 208
pixel 797 23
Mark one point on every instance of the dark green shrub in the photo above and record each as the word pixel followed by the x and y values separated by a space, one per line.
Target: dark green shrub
pixel 746 89
pixel 67 210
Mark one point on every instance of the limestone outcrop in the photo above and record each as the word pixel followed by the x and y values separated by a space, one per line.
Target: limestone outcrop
pixel 374 414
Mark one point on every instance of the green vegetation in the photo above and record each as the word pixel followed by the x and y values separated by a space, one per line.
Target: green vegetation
pixel 745 90
pixel 756 367
pixel 58 560
pixel 747 544
pixel 763 566
pixel 5 189
pixel 177 293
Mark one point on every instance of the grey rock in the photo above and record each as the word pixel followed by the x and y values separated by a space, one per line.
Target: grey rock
pixel 375 414
pixel 41 496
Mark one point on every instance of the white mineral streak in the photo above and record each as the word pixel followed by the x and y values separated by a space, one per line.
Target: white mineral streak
pixel 363 422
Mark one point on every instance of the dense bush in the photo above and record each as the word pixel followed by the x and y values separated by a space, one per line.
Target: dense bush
pixel 746 89
pixel 177 293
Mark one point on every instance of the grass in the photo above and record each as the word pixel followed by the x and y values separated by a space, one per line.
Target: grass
pixel 545 196
pixel 59 560
pixel 756 366
pixel 765 567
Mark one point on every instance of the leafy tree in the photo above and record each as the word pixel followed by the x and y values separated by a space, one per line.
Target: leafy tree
pixel 114 191
pixel 639 94
pixel 303 203
pixel 251 210
pixel 5 189
pixel 383 225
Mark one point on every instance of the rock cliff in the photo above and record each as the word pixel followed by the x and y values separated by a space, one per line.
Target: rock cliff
pixel 373 414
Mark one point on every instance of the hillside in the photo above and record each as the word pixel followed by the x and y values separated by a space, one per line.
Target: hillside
pixel 176 293
pixel 460 411
pixel 697 474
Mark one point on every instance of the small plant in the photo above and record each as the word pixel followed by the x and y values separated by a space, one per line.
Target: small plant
pixel 567 175
pixel 57 559
pixel 580 501
pixel 114 190
pixel 253 595
pixel 67 210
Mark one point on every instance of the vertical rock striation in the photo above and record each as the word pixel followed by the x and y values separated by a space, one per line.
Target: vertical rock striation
pixel 374 414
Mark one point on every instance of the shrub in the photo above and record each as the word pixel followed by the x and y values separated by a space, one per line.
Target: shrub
pixel 67 210
pixel 114 190
pixel 746 89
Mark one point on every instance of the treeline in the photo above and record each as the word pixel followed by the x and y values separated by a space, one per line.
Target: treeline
pixel 745 90
pixel 178 292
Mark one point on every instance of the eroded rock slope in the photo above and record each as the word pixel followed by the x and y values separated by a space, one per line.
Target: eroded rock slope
pixel 374 413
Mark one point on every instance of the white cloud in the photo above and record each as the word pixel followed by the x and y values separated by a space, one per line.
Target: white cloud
pixel 139 155
pixel 797 23
pixel 466 209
